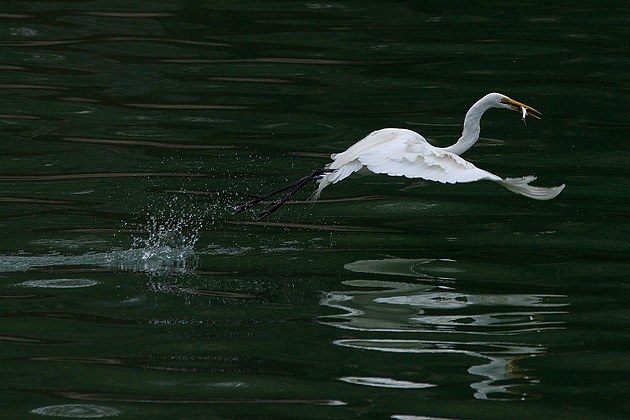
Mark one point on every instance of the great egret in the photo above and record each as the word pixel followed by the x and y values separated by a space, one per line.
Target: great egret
pixel 402 152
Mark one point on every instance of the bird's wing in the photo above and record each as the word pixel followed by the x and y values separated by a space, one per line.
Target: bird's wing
pixel 408 154
pixel 401 152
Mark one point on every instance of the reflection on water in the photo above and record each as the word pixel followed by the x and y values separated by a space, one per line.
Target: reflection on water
pixel 384 382
pixel 420 267
pixel 483 326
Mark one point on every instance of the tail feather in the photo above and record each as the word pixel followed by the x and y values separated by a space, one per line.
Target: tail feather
pixel 321 184
pixel 521 186
pixel 335 175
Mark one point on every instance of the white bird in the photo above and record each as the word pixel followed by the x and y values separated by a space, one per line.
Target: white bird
pixel 402 152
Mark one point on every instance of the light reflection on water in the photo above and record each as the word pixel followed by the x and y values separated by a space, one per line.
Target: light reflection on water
pixel 479 325
pixel 384 382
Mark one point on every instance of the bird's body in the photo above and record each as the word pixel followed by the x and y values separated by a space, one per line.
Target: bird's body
pixel 402 152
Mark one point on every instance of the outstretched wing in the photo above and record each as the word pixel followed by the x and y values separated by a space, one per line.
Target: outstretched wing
pixel 408 154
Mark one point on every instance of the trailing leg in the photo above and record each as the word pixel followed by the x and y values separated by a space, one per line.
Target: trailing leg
pixel 292 189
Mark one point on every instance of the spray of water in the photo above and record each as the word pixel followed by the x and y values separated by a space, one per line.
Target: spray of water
pixel 169 245
pixel 165 247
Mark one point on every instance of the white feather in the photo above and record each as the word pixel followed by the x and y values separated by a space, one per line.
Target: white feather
pixel 521 186
pixel 400 152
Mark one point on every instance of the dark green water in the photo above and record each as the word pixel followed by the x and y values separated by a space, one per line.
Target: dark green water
pixel 129 289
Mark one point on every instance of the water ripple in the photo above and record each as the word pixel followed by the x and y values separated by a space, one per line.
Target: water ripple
pixel 479 325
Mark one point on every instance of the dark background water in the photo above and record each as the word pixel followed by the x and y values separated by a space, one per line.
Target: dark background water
pixel 128 287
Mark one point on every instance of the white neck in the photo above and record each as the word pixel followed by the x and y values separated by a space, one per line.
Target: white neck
pixel 472 126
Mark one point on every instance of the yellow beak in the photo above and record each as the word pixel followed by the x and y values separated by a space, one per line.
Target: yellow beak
pixel 518 106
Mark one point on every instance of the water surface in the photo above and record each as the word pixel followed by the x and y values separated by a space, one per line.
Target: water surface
pixel 130 289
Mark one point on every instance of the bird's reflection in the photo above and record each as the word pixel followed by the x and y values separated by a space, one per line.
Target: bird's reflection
pixel 483 326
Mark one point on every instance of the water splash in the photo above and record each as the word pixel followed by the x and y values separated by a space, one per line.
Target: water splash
pixel 169 246
pixel 166 248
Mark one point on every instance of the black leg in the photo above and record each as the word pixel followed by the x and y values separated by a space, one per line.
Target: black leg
pixel 260 198
pixel 293 189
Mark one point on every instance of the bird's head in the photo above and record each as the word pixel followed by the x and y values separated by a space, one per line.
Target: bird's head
pixel 509 103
